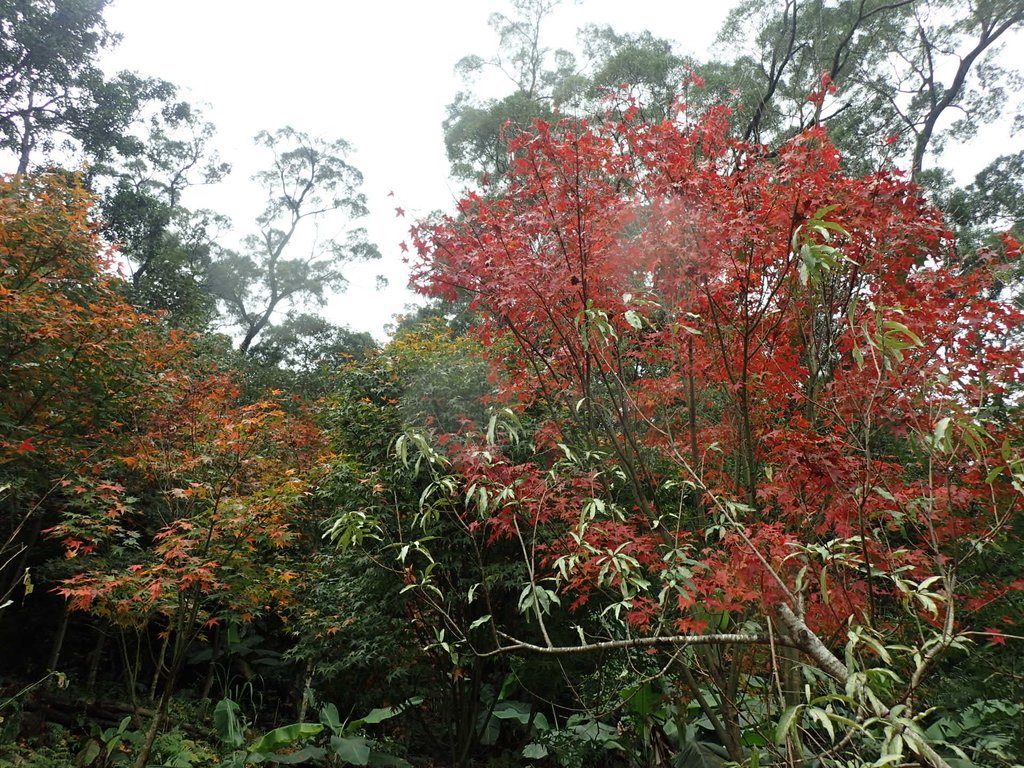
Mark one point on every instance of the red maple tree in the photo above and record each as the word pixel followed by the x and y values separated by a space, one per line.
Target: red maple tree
pixel 768 402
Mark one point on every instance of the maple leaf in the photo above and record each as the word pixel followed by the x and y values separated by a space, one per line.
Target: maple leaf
pixel 995 636
pixel 741 261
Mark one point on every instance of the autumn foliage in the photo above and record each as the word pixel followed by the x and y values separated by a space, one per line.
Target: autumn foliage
pixel 750 379
pixel 174 499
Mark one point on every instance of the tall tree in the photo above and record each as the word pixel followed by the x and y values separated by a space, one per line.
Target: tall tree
pixel 886 76
pixel 646 67
pixel 883 74
pixel 53 95
pixel 542 79
pixel 769 407
pixel 548 81
pixel 167 247
pixel 308 181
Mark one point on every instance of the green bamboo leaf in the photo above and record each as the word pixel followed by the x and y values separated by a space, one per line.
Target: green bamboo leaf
pixel 824 719
pixel 787 723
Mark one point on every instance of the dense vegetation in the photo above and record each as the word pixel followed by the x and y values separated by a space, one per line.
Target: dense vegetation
pixel 705 450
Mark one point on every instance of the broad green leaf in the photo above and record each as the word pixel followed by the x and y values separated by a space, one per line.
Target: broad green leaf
pixel 512 710
pixel 696 755
pixel 304 755
pixel 227 720
pixel 354 750
pixel 388 761
pixel 285 736
pixel 381 714
pixel 329 716
pixel 89 753
pixel 642 700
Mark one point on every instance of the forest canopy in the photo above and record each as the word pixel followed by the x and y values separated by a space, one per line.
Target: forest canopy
pixel 704 449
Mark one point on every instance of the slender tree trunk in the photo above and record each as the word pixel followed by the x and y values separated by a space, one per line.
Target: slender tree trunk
pixel 691 407
pixel 96 657
pixel 131 668
pixel 142 759
pixel 729 659
pixel 58 641
pixel 27 141
pixel 732 747
pixel 307 684
pixel 211 668
pixel 159 665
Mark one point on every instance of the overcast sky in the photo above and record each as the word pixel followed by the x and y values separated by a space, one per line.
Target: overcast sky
pixel 377 73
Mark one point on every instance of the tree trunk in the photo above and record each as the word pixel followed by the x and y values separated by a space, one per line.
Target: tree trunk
pixel 211 668
pixel 142 759
pixel 159 666
pixel 303 697
pixel 95 658
pixel 26 139
pixel 58 641
pixel 131 668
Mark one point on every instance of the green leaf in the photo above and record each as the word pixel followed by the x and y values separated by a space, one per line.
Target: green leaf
pixel 634 319
pixel 508 685
pixel 512 710
pixel 535 751
pixel 285 736
pixel 390 761
pixel 381 714
pixel 227 720
pixel 941 435
pixel 884 494
pixel 894 326
pixel 695 755
pixel 329 716
pixel 993 474
pixel 786 723
pixel 304 755
pixel 88 754
pixel 823 717
pixel 858 357
pixel 642 700
pixel 354 750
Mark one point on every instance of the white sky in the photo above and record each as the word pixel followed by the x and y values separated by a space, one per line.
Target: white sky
pixel 377 73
